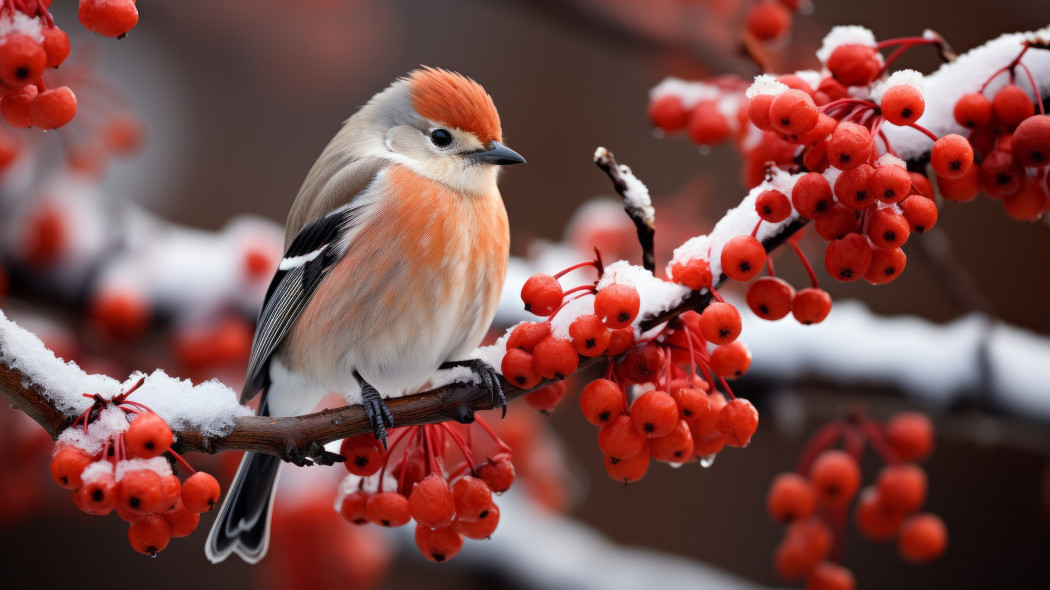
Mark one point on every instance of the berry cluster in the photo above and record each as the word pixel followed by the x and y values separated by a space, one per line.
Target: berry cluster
pixel 770 20
pixel 1011 144
pixel 814 500
pixel 419 478
pixel 647 406
pixel 126 473
pixel 30 42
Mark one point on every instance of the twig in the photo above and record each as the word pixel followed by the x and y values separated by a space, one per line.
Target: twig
pixel 642 215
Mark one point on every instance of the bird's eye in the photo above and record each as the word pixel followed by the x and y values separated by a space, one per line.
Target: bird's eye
pixel 441 137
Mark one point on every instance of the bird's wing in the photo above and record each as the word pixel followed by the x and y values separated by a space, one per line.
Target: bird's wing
pixel 311 255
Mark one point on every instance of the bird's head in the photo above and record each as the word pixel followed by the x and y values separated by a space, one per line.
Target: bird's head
pixel 442 125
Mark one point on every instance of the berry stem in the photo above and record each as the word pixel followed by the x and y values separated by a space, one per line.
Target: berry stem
pixel 846 101
pixel 1008 67
pixel 456 438
pixel 877 438
pixel 182 462
pixel 726 387
pixel 495 438
pixel 403 463
pixel 754 232
pixel 923 130
pixel 805 263
pixel 574 267
pixel 1031 80
pixel 824 439
pixel 769 267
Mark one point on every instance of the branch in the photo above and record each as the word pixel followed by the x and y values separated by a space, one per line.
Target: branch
pixel 636 203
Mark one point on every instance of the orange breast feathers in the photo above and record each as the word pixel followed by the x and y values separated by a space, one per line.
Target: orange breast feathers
pixel 419 284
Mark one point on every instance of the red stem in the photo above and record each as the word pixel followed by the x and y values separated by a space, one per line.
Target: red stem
pixel 574 267
pixel 924 130
pixel 824 439
pixel 182 462
pixel 809 267
pixel 499 441
pixel 1031 80
pixel 456 438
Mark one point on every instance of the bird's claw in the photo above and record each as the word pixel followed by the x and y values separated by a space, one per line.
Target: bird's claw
pixel 490 381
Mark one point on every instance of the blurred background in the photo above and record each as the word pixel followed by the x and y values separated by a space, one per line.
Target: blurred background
pixel 237 98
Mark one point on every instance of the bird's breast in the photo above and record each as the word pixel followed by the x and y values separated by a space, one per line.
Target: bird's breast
pixel 418 285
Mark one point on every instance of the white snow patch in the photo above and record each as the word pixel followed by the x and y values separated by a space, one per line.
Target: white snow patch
pixel 96 470
pixel 765 84
pixel 111 423
pixel 157 464
pixel 636 194
pixel 898 78
pixel 210 406
pixel 655 295
pixel 21 23
pixel 690 93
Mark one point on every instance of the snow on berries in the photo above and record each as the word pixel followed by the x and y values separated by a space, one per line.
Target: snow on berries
pixel 828 479
pixel 115 457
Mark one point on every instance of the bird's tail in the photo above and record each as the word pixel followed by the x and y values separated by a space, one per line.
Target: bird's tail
pixel 243 523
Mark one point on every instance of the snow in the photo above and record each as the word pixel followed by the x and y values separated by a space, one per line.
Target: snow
pixel 844 35
pixel 900 77
pixel 945 86
pixel 210 406
pixel 655 295
pixel 96 470
pixel 636 195
pixel 21 23
pixel 158 464
pixel 890 160
pixel 765 84
pixel 111 423
pixel 738 221
pixel 690 93
pixel 455 375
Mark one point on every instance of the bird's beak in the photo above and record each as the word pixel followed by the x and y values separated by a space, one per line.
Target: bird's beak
pixel 498 155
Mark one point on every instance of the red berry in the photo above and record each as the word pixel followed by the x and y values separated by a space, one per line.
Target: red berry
pixel 770 297
pixel 720 323
pixel 22 59
pixel 431 502
pixel 481 528
pixel 1011 105
pixel 675 446
pixel 139 491
pixel 498 473
pixel 642 364
pixel 438 544
pixel 653 414
pixel 619 439
pixel 619 341
pixel 902 487
pixel 887 228
pixel 910 435
pixel 589 335
pixel 150 535
pixel 793 113
pixel 363 453
pixel 852 188
pixel 705 423
pixel 99 495
pixel 768 20
pixel 732 360
pixel 951 156
pixel 922 538
pixel 171 492
pixel 850 146
pixel 109 18
pixel 67 465
pixel 973 110
pixel 354 507
pixel 848 259
pixel 805 544
pixel 527 335
pixel 1029 203
pixel 554 358
pixel 200 492
pixel 707 125
pixel 773 206
pixel 920 212
pixel 854 65
pixel 668 114
pixel 811 306
pixel 601 401
pixel 874 519
pixel 518 369
pixel 542 294
pixel 473 498
pixel 886 265
pixel 758 110
pixel 743 258
pixel 53 108
pixel 902 104
pixel 148 436
pixel 617 305
pixel 791 497
pixel 56 46
pixel 695 274
pixel 737 422
pixel 389 509
pixel 15 106
pixel 182 521
pixel 835 476
pixel 811 195
pixel 706 448
pixel 837 222
pixel 890 183
pixel 830 576
pixel 921 185
pixel 820 133
pixel 1031 142
pixel 628 470
pixel 547 398
pixel 1000 175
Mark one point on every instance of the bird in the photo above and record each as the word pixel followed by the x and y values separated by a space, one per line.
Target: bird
pixel 396 250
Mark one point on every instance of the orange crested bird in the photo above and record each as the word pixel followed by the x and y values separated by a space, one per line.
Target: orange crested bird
pixel 396 251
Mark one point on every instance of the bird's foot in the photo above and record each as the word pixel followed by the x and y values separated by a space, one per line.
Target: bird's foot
pixel 490 381
pixel 378 414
